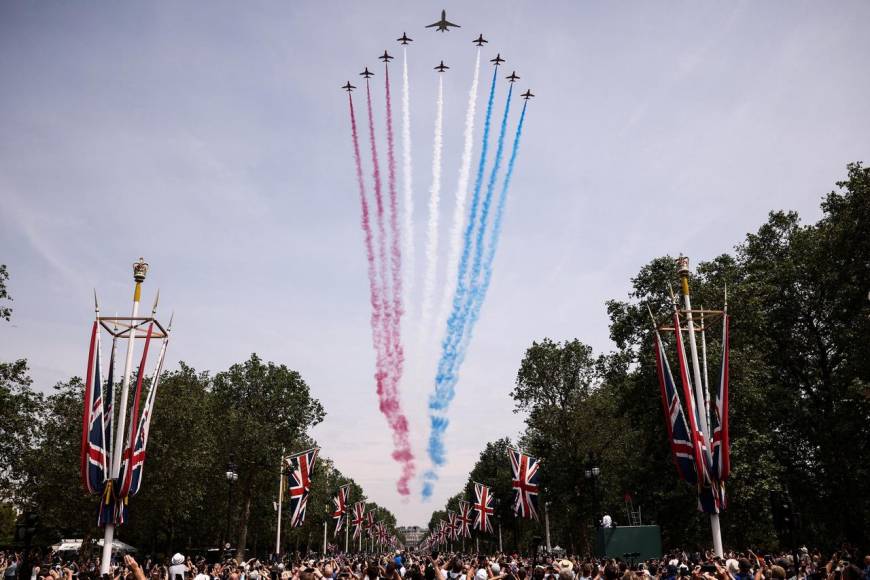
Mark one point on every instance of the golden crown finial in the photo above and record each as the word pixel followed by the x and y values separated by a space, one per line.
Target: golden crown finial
pixel 140 270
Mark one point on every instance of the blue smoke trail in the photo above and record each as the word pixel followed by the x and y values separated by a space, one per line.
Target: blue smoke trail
pixel 451 358
pixel 484 213
pixel 495 234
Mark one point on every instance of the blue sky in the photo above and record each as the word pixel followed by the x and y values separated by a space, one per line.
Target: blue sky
pixel 212 138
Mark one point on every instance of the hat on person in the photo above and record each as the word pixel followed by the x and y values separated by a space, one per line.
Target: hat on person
pixel 480 575
pixel 566 565
pixel 496 569
pixel 177 559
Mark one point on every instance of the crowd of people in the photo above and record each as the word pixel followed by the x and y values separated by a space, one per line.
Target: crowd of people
pixel 410 565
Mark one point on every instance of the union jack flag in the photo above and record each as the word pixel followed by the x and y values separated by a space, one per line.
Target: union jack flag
pixel 133 455
pixel 95 453
pixel 451 525
pixel 525 484
pixel 340 501
pixel 301 466
pixel 369 524
pixel 711 493
pixel 464 519
pixel 721 443
pixel 144 427
pixel 682 447
pixel 359 510
pixel 483 508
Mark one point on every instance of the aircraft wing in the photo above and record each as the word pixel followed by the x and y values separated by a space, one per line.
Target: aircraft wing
pixel 431 25
pixel 446 23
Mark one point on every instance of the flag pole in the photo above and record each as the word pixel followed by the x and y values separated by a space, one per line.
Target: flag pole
pixel 324 538
pixel 280 502
pixel 140 269
pixel 347 525
pixel 683 269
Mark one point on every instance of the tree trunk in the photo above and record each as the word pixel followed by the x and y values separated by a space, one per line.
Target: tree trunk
pixel 243 521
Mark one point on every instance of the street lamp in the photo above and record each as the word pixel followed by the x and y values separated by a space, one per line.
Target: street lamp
pixel 593 472
pixel 232 476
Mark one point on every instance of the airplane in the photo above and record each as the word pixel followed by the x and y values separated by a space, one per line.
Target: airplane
pixel 366 73
pixel 441 67
pixel 513 77
pixel 497 60
pixel 386 57
pixel 348 87
pixel 480 40
pixel 443 25
pixel 404 39
pixel 527 95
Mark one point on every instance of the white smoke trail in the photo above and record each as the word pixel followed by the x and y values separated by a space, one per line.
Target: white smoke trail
pixel 432 227
pixel 459 207
pixel 407 173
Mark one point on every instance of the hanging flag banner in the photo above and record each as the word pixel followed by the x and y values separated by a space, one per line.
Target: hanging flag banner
pixel 525 484
pixel 300 466
pixel 483 508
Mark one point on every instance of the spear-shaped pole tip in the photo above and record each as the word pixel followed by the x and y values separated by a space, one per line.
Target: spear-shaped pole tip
pixel 171 318
pixel 96 302
pixel 156 300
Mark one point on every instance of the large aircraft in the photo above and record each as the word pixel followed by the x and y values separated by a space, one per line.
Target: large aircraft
pixel 443 25
pixel 497 60
pixel 441 67
pixel 405 39
pixel 479 40
pixel 385 57
pixel 366 73
pixel 527 95
pixel 513 77
pixel 348 87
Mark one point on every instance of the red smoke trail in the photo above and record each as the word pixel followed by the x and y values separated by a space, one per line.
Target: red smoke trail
pixel 396 268
pixel 374 290
pixel 392 355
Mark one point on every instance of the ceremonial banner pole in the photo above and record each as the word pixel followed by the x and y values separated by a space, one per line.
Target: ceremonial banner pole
pixel 347 526
pixel 324 538
pixel 700 396
pixel 547 525
pixel 280 503
pixel 140 269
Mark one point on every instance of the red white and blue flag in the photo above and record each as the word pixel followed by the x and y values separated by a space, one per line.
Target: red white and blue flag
pixel 682 447
pixel 131 460
pixel 340 501
pixel 359 510
pixel 483 508
pixel 451 525
pixel 464 519
pixel 525 484
pixel 95 462
pixel 301 467
pixel 369 524
pixel 721 443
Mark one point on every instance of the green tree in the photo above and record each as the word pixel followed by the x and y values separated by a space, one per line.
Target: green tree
pixel 263 408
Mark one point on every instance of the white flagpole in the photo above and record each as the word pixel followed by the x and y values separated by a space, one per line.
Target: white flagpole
pixel 347 523
pixel 324 538
pixel 140 269
pixel 683 264
pixel 280 503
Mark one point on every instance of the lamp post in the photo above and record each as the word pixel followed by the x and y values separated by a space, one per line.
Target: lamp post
pixel 593 472
pixel 232 476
